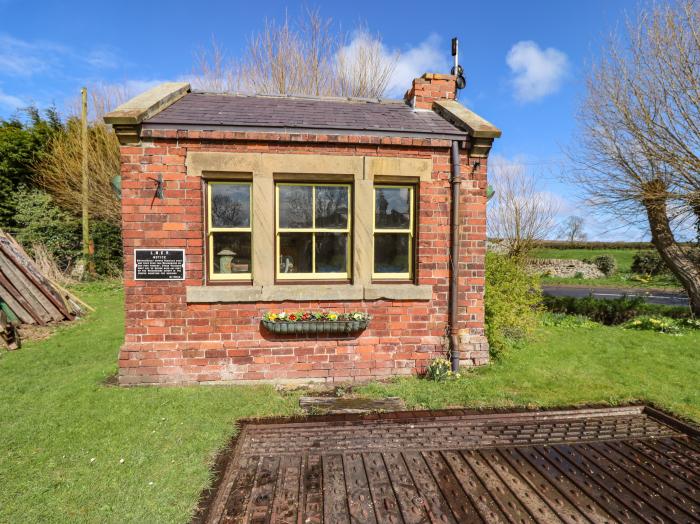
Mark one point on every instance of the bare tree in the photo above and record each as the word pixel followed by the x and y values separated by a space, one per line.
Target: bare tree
pixel 363 68
pixel 214 71
pixel 59 171
pixel 310 56
pixel 102 98
pixel 519 215
pixel 572 229
pixel 640 131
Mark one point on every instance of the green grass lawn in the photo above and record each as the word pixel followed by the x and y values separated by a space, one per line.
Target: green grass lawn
pixel 570 366
pixel 56 414
pixel 622 278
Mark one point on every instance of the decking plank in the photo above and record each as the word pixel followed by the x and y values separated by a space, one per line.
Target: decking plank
pixel 335 497
pixel 360 504
pixel 236 506
pixel 386 506
pixel 428 489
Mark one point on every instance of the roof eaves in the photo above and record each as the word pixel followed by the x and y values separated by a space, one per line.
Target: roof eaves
pixel 309 130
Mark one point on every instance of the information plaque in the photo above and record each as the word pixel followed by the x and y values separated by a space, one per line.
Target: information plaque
pixel 159 264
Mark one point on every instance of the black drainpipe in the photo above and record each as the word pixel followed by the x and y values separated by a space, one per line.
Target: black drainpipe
pixel 454 255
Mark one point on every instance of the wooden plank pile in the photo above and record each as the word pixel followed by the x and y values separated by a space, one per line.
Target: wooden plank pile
pixel 26 295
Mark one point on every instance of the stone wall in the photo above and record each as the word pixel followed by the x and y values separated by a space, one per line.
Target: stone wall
pixel 564 268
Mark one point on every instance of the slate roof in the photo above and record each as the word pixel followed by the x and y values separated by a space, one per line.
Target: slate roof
pixel 207 110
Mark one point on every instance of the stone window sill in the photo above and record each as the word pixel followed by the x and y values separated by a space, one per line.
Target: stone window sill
pixel 281 293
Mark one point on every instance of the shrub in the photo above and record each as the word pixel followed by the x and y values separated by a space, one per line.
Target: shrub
pixel 512 299
pixel 108 257
pixel 567 321
pixel 439 370
pixel 40 221
pixel 606 264
pixel 611 312
pixel 662 324
pixel 648 263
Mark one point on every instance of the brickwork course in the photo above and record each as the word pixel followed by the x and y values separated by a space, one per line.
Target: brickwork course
pixel 173 339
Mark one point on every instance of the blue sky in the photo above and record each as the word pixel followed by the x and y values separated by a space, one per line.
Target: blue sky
pixel 525 61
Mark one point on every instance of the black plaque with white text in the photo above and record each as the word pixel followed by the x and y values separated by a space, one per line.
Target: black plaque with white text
pixel 159 264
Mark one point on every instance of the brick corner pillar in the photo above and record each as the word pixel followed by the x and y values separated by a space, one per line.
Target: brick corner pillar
pixel 473 346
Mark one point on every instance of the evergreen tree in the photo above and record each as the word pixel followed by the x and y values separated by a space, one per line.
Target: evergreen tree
pixel 22 142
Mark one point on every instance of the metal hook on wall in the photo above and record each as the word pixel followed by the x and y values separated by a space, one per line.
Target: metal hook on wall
pixel 159 188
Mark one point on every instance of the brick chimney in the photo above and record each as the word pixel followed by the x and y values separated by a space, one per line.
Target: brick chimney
pixel 429 88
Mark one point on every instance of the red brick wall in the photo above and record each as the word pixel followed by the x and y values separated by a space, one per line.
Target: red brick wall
pixel 431 87
pixel 171 341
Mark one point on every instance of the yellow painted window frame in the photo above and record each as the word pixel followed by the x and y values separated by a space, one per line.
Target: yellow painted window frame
pixel 410 231
pixel 211 230
pixel 313 230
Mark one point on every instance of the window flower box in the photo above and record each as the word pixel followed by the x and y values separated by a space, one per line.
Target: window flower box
pixel 307 323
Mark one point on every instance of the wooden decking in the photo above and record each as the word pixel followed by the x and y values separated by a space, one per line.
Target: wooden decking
pixel 629 464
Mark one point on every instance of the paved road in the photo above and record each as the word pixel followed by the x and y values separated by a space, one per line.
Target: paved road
pixel 653 296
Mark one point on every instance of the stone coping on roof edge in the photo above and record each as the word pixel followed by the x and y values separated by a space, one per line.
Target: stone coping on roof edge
pixel 148 104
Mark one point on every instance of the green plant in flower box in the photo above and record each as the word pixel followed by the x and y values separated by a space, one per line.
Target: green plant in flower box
pixel 315 322
pixel 316 316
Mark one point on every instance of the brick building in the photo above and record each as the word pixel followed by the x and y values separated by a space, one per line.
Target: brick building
pixel 300 204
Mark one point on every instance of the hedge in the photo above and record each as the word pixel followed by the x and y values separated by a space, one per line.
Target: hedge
pixel 563 244
pixel 611 312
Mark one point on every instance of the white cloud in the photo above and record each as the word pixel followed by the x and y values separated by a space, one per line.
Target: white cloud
pixel 10 102
pixel 102 58
pixel 427 57
pixel 536 72
pixel 20 58
pixel 23 58
pixel 136 87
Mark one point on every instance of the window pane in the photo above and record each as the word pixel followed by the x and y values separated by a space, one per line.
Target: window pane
pixel 230 205
pixel 392 208
pixel 391 251
pixel 231 253
pixel 295 206
pixel 295 252
pixel 331 207
pixel 331 252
